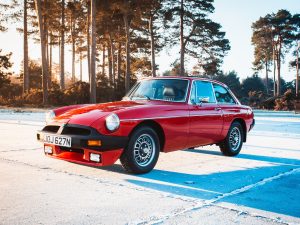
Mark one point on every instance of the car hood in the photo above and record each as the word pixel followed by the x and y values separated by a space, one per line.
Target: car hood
pixel 88 114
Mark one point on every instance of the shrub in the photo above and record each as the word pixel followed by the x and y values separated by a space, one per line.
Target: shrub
pixel 77 93
pixel 286 102
pixel 34 97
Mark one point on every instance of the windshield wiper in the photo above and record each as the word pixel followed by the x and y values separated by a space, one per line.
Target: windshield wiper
pixel 140 96
pixel 147 97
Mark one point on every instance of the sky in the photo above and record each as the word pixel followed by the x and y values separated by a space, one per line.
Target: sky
pixel 235 16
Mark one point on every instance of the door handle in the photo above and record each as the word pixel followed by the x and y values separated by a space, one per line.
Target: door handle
pixel 218 108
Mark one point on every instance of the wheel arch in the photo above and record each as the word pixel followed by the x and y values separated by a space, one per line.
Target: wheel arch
pixel 155 126
pixel 243 124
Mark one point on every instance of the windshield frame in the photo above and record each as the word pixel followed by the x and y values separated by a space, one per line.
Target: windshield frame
pixel 137 84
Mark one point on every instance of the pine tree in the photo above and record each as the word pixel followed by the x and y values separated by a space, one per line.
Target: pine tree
pixel 200 37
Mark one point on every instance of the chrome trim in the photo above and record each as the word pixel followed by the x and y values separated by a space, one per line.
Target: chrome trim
pixel 168 117
pixel 234 97
pixel 132 89
pixel 214 92
pixel 209 81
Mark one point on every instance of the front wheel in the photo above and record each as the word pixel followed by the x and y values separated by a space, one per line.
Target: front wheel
pixel 233 143
pixel 141 154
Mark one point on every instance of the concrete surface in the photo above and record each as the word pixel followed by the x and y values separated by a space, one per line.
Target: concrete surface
pixel 199 186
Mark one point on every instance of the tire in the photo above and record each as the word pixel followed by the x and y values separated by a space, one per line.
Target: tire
pixel 233 142
pixel 142 152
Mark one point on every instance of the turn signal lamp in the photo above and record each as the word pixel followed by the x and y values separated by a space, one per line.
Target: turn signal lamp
pixel 94 143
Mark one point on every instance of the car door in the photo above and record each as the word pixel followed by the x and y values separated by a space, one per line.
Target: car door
pixel 229 105
pixel 206 117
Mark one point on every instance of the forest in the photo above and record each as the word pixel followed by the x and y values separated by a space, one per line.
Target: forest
pixel 120 40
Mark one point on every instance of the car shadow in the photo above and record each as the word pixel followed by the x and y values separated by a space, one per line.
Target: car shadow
pixel 269 159
pixel 116 168
pixel 113 168
pixel 278 196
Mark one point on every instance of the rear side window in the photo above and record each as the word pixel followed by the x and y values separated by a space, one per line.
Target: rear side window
pixel 223 95
pixel 202 92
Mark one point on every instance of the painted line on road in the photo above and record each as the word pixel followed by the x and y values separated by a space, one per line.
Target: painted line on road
pixel 29 123
pixel 103 181
pixel 211 202
pixel 19 150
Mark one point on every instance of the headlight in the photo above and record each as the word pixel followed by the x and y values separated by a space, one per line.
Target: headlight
pixel 112 122
pixel 50 115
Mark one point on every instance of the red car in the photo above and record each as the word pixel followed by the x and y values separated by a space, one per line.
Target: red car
pixel 157 115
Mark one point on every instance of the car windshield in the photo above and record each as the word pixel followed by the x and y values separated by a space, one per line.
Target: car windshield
pixel 173 90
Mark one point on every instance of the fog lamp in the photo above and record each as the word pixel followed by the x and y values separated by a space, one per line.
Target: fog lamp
pixel 48 149
pixel 95 157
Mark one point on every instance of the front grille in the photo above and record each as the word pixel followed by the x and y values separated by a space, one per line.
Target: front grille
pixel 51 128
pixel 77 150
pixel 75 131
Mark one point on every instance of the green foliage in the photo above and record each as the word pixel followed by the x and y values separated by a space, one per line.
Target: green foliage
pixel 5 65
pixel 251 84
pixel 203 38
pixel 273 37
pixel 175 71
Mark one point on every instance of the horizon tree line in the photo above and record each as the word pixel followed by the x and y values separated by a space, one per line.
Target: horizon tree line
pixel 126 33
pixel 274 35
pixel 121 38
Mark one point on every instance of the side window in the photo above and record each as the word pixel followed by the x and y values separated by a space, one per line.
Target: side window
pixel 222 95
pixel 202 92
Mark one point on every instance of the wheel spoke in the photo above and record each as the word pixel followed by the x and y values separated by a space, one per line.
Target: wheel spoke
pixel 235 138
pixel 144 150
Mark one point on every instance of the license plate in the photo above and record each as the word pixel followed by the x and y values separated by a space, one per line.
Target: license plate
pixel 57 140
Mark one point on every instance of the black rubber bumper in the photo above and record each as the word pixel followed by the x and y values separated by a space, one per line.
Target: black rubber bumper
pixel 81 134
pixel 252 125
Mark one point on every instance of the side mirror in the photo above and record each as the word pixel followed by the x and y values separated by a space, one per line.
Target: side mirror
pixel 200 101
pixel 195 103
pixel 204 99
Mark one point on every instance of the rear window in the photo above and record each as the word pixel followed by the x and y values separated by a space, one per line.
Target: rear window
pixel 223 95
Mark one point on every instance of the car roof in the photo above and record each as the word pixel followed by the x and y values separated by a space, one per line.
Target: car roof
pixel 191 78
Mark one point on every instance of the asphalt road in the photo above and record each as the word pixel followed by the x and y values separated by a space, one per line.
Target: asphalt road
pixel 199 186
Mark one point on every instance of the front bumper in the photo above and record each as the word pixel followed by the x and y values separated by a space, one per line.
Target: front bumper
pixel 79 152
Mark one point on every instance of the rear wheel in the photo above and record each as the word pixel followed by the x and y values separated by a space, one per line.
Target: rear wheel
pixel 141 154
pixel 233 143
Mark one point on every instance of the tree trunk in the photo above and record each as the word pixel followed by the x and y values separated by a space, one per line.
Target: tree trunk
pixel 50 63
pixel 88 42
pixel 274 70
pixel 80 65
pixel 47 44
pixel 119 65
pixel 62 47
pixel 153 65
pixel 113 62
pixel 297 72
pixel 103 59
pixel 267 76
pixel 109 65
pixel 127 75
pixel 72 22
pixel 182 48
pixel 25 66
pixel 38 9
pixel 93 53
pixel 278 69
